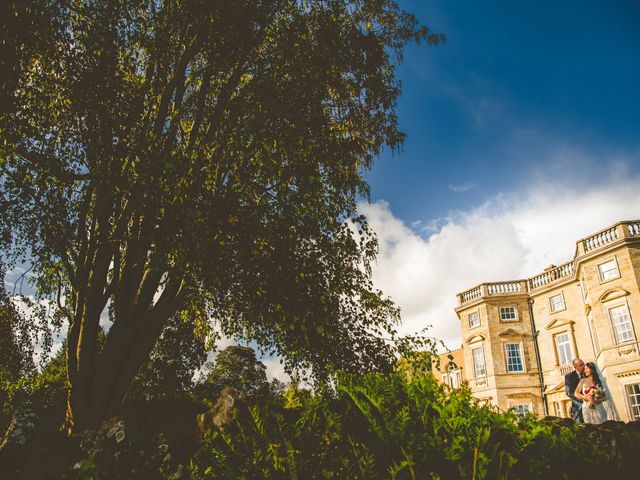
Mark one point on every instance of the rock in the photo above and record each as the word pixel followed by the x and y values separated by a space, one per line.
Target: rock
pixel 558 421
pixel 223 414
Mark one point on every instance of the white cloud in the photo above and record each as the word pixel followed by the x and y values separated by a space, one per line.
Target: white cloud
pixel 511 236
pixel 275 369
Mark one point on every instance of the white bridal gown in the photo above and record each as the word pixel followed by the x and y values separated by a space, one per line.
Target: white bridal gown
pixel 595 415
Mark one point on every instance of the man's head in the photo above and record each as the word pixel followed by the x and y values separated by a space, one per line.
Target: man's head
pixel 578 365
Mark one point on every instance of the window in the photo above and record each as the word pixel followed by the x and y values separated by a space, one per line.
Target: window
pixel 478 362
pixel 557 303
pixel 514 357
pixel 563 347
pixel 621 324
pixel 609 270
pixel 508 314
pixel 633 394
pixel 474 319
pixel 556 409
pixel 455 379
pixel 521 409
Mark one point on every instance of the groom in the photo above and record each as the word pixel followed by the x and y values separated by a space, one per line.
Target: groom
pixel 571 381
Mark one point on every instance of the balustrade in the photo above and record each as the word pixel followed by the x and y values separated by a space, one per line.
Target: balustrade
pixel 498 288
pixel 634 229
pixel 470 295
pixel 618 231
pixel 600 239
pixel 503 287
pixel 562 271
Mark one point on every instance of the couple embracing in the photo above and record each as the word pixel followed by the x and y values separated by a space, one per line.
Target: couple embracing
pixel 587 394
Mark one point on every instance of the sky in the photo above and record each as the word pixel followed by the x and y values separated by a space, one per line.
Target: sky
pixel 523 136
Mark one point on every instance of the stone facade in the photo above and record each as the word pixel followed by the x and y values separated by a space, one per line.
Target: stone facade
pixel 519 337
pixel 450 370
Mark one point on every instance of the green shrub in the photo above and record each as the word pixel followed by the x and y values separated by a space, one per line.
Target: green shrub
pixel 363 427
pixel 386 426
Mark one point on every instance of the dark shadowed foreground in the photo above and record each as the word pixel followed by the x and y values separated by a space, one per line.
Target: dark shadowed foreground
pixel 370 426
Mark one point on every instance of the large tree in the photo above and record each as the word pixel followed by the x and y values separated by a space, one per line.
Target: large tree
pixel 235 366
pixel 202 157
pixel 172 364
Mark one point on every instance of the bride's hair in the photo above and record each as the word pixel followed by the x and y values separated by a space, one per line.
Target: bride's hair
pixel 594 373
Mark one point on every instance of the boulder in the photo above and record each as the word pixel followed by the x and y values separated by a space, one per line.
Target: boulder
pixel 223 414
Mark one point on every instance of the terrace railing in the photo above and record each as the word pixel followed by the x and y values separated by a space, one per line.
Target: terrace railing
pixel 492 289
pixel 619 231
pixel 628 229
pixel 556 273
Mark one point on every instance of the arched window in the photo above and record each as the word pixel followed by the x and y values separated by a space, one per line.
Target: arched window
pixel 454 376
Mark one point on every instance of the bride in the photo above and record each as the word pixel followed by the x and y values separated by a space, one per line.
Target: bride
pixel 592 394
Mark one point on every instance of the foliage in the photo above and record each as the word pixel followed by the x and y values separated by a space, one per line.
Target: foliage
pixel 172 364
pixel 367 427
pixel 147 440
pixel 417 363
pixel 43 392
pixel 50 385
pixel 202 157
pixel 16 361
pixel 12 358
pixel 13 363
pixel 377 426
pixel 235 366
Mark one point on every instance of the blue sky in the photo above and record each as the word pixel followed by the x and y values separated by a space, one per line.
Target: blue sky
pixel 520 89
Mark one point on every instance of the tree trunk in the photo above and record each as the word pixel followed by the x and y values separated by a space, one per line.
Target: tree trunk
pixel 98 384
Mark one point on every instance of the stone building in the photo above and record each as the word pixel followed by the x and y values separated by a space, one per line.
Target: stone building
pixel 520 336
pixel 450 370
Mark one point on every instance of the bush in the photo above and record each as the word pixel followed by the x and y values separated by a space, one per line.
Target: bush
pixel 146 440
pixel 363 427
pixel 378 426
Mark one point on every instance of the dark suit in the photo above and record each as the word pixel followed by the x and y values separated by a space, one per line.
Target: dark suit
pixel 571 381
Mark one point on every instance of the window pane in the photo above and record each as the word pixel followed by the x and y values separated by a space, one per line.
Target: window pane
pixel 474 319
pixel 557 303
pixel 621 324
pixel 520 409
pixel 478 362
pixel 563 346
pixel 633 394
pixel 507 313
pixel 453 379
pixel 609 270
pixel 514 358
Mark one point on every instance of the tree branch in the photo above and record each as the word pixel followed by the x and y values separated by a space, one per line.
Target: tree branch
pixel 200 108
pixel 148 333
pixel 234 79
pixel 173 84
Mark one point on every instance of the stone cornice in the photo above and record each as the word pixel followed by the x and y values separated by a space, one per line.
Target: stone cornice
pixel 511 333
pixel 474 339
pixel 612 294
pixel 559 322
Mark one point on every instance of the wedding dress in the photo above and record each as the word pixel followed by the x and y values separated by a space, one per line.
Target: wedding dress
pixel 595 415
